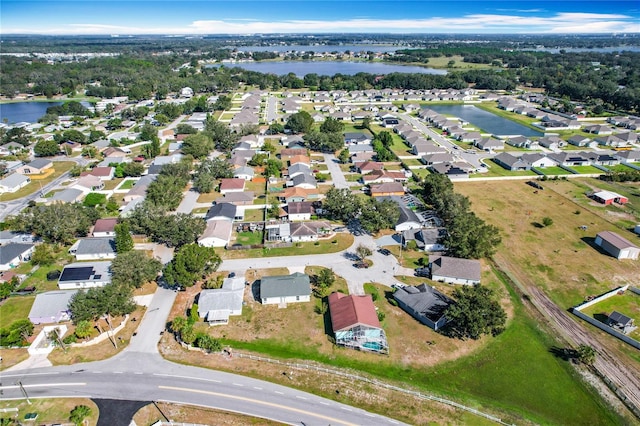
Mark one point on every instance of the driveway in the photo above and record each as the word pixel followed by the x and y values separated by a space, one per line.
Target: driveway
pixel 382 271
pixel 337 176
pixel 189 202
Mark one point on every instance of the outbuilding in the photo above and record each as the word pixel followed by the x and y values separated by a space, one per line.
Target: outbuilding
pixel 617 246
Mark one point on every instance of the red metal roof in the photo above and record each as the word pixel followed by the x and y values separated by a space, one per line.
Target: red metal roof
pixel 347 311
pixel 105 225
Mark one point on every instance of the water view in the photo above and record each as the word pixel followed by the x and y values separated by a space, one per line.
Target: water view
pixel 24 111
pixel 302 68
pixel 377 48
pixel 485 120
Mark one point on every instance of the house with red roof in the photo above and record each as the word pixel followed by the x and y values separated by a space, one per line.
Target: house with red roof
pixel 231 185
pixel 355 323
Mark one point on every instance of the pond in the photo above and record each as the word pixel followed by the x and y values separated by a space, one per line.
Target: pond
pixel 302 68
pixel 485 120
pixel 28 111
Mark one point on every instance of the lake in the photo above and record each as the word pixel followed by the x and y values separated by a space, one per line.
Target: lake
pixel 485 120
pixel 27 111
pixel 302 68
pixel 377 48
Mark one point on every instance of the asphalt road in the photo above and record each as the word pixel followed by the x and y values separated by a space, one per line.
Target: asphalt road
pixel 271 110
pixel 146 377
pixel 337 176
pixel 474 159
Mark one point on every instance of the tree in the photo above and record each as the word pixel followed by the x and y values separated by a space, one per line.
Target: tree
pixel 276 128
pixel 300 122
pixel 363 251
pixel 166 191
pixel 18 135
pixel 43 255
pixel 547 221
pixel 79 413
pixel 57 223
pixel 132 169
pixel 134 269
pixel 47 148
pixel 377 215
pixel 386 138
pixel 222 136
pixel 331 125
pixel 173 230
pixel 111 300
pixel 191 263
pixel 74 136
pixel 89 151
pixel 83 329
pixel 124 241
pixel 323 281
pixel 344 156
pixel 273 167
pixel 341 204
pixel 152 150
pixel 17 333
pixel 198 145
pixel 586 354
pixel 474 313
pixel 204 182
pixel 222 103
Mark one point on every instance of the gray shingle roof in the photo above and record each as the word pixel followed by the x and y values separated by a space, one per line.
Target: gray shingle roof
pixel 10 251
pixel 51 303
pixel 222 209
pixel 69 195
pixel 14 180
pixel 39 163
pixel 424 300
pixel 285 285
pixel 96 246
pixel 454 267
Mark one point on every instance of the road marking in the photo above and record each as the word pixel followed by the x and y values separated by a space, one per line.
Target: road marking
pixel 255 401
pixel 237 384
pixel 257 388
pixel 137 372
pixel 187 377
pixel 279 393
pixel 97 372
pixel 369 415
pixel 42 385
pixel 347 409
pixel 30 374
pixel 300 397
pixel 324 403
pixel 117 372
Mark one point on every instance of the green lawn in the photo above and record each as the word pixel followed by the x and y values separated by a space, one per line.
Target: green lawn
pixel 620 168
pixel 248 238
pixel 60 167
pixel 412 162
pixel 495 170
pixel 554 170
pixel 254 215
pixel 342 242
pixel 15 308
pixel 128 184
pixel 421 173
pixel 587 170
pixel 627 304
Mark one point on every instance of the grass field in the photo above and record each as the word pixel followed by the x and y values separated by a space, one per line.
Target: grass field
pixel 51 411
pixel 554 170
pixel 60 167
pixel 343 241
pixel 15 308
pixel 128 184
pixel 495 170
pixel 587 170
pixel 248 238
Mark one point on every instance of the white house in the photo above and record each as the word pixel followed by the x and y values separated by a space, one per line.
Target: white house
pixel 297 211
pixel 14 182
pixel 85 275
pixel 453 270
pixel 216 305
pixel 13 254
pixel 216 234
pixel 94 248
pixel 283 289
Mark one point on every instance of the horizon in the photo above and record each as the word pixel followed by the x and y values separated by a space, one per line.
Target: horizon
pixel 246 18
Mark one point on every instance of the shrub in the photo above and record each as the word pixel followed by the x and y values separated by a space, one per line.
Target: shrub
pixel 53 275
pixel 381 316
pixel 393 301
pixel 70 339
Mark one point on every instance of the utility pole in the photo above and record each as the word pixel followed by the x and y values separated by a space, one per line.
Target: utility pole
pixel 24 392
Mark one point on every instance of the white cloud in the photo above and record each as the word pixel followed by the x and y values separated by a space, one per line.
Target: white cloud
pixel 487 23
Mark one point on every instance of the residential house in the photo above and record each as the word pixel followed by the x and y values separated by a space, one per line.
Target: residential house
pixel 298 211
pixel 617 246
pixel 632 156
pixel 426 239
pixel 305 181
pixel 114 152
pixel 390 123
pixel 103 173
pixel 456 170
pixel 424 303
pixel 215 306
pixel 51 307
pixel 354 149
pixel 387 189
pixel 511 162
pixel 568 159
pixel 454 271
pixel 578 140
pixel 105 228
pixel 139 190
pixel 297 194
pixel 612 141
pixel 231 185
pixel 66 196
pixel 237 198
pixel 384 176
pixel 408 219
pixel 519 142
pixel 13 183
pixel 303 159
pixel 283 289
pixel 440 157
pixel 426 148
pixel 599 129
pixel 94 248
pixel 13 254
pixel 369 166
pixel 216 234
pixel 538 160
pixel 552 142
pixel 297 169
pixel 489 144
pixel 85 275
pixel 88 184
pixel 244 172
pixel 355 323
pixel 307 231
pixel 7 237
pixel 11 148
pixel 222 211
pixel 472 137
pixel 356 138
pixel 620 322
pixel 35 167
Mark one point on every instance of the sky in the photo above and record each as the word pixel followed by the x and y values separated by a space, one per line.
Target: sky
pixel 177 17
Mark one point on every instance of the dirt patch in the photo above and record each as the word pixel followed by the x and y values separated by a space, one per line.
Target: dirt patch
pixel 197 415
pixel 11 357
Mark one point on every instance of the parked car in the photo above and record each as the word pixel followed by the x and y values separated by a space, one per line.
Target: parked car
pixel 361 265
pixel 422 272
pixel 384 251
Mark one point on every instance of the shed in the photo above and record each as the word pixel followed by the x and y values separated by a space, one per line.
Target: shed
pixel 617 246
pixel 621 322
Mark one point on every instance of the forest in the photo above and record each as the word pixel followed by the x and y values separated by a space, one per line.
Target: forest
pixel 611 80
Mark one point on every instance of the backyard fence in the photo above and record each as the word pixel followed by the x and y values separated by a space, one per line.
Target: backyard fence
pixel 377 383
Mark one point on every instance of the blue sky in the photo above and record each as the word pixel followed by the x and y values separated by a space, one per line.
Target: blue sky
pixel 309 16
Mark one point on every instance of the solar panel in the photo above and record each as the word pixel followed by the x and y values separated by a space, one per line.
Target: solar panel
pixel 97 277
pixel 73 274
